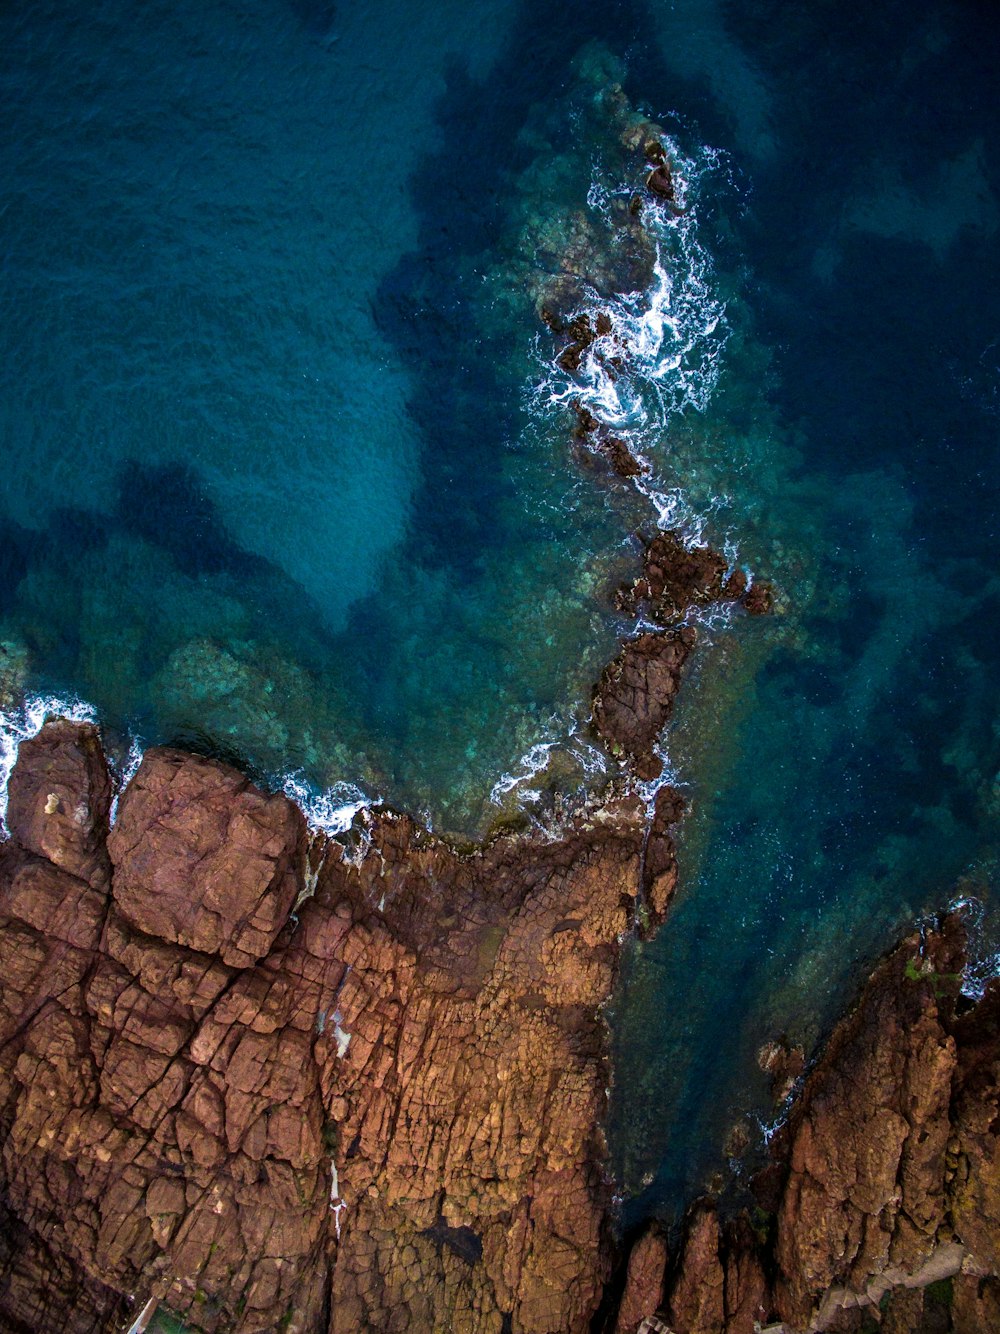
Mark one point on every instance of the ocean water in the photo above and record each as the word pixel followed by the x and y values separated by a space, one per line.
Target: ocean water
pixel 287 470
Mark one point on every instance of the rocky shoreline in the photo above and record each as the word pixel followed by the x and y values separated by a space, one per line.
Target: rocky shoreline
pixel 880 1207
pixel 271 1081
pixel 365 1095
pixel 276 1081
pixel 280 1083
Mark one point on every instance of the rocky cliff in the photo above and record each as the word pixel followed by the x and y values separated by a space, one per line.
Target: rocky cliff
pixel 283 1087
pixel 881 1207
pixel 277 1084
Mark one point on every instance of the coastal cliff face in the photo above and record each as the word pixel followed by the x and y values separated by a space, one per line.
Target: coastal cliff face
pixel 280 1084
pixel 278 1087
pixel 276 1082
pixel 881 1208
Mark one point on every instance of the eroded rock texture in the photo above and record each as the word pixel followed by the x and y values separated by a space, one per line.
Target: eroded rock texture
pixel 634 699
pixel 378 1110
pixel 882 1207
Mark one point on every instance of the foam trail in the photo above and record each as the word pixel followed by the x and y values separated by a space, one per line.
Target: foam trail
pixel 661 354
pixel 983 962
pixel 332 812
pixel 594 762
pixel 657 357
pixel 24 721
pixel 530 764
pixel 136 750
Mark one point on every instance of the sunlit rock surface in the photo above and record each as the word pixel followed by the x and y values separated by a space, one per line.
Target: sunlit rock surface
pixel 380 1110
pixel 881 1207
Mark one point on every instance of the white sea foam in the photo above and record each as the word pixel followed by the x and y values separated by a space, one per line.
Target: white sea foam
pixel 666 340
pixel 983 957
pixel 593 761
pixel 530 764
pixel 136 750
pixel 332 811
pixel 669 776
pixel 24 721
pixel 660 358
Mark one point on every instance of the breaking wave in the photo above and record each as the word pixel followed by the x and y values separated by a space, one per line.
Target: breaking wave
pixel 566 738
pixel 331 811
pixel 660 356
pixel 982 962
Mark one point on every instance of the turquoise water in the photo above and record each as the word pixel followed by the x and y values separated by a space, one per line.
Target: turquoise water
pixel 843 760
pixel 233 518
pixel 287 474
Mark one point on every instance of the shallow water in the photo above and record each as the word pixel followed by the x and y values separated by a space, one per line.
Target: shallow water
pixel 286 475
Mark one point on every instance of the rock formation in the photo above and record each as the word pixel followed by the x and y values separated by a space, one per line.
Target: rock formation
pixel 276 1089
pixel 335 1088
pixel 634 698
pixel 881 1208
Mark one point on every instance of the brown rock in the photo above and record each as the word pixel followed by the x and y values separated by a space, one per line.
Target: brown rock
pixel 621 458
pixel 884 1180
pixel 393 1115
pixel 643 1294
pixel 784 1063
pixel 660 859
pixel 675 577
pixel 635 695
pixel 975 1185
pixel 868 1143
pixel 759 601
pixel 975 1306
pixel 203 858
pixel 696 1304
pixel 661 182
pixel 59 796
pixel 735 586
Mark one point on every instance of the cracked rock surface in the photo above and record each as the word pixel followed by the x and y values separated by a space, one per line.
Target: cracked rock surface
pixel 881 1208
pixel 378 1110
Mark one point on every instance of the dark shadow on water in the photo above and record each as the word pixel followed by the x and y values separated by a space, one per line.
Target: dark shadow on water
pixel 211 747
pixel 167 505
pixel 426 304
pixel 317 17
pixel 15 555
pixel 46 580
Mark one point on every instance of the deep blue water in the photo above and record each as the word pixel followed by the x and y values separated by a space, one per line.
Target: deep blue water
pixel 282 476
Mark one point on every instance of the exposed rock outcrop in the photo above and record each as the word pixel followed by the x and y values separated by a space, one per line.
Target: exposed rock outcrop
pixel 635 695
pixel 634 699
pixel 882 1204
pixel 378 1111
pixel 390 1119
pixel 187 833
pixel 58 799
